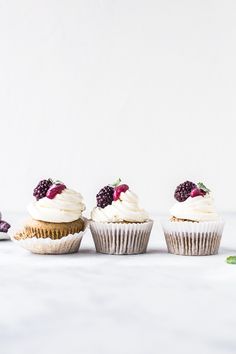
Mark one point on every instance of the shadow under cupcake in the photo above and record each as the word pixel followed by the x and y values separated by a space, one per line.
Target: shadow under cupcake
pixel 194 229
pixel 56 225
pixel 119 226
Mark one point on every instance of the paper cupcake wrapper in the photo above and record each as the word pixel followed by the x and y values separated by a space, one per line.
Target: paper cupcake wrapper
pixel 121 238
pixel 4 236
pixel 192 238
pixel 67 244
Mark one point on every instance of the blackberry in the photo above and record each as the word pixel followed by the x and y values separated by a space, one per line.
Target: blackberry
pixel 105 196
pixel 183 191
pixel 4 226
pixel 41 190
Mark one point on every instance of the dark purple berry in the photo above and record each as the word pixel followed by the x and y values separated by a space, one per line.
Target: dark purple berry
pixel 105 196
pixel 41 190
pixel 4 226
pixel 183 191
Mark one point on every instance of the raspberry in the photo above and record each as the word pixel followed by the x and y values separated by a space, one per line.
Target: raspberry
pixel 200 190
pixel 183 191
pixel 196 192
pixel 119 189
pixel 105 196
pixel 54 190
pixel 41 190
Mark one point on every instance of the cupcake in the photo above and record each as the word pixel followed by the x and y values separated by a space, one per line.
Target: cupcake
pixel 194 228
pixel 4 227
pixel 56 224
pixel 119 225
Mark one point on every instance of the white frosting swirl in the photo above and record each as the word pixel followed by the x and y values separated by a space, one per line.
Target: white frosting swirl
pixel 195 209
pixel 64 207
pixel 126 208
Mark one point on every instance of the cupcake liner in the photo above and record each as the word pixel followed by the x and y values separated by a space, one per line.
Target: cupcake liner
pixel 121 238
pixel 4 236
pixel 67 244
pixel 193 238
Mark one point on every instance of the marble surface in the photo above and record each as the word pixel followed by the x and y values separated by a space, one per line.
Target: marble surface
pixel 91 303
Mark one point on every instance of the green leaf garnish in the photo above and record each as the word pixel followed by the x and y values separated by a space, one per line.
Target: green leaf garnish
pixel 57 182
pixel 116 183
pixel 203 187
pixel 231 260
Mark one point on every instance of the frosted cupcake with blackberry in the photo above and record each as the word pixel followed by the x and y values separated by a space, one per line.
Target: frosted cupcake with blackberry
pixel 194 228
pixel 119 225
pixel 56 224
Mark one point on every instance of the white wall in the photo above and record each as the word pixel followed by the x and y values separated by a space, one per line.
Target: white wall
pixel 94 90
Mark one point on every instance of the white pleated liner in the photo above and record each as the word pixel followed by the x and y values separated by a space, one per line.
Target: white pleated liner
pixel 121 238
pixel 4 236
pixel 192 238
pixel 67 244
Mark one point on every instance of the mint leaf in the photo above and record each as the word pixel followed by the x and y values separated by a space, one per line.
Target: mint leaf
pixel 116 183
pixel 203 187
pixel 231 260
pixel 57 182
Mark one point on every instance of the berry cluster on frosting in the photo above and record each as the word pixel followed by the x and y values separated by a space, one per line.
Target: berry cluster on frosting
pixel 48 188
pixel 190 189
pixel 110 193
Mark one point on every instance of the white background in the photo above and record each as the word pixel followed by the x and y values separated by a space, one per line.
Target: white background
pixel 95 90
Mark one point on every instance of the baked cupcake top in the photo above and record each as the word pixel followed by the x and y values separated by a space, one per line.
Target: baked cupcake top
pixel 117 203
pixel 194 203
pixel 56 203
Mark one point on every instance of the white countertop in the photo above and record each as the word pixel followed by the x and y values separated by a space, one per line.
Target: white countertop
pixel 91 303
